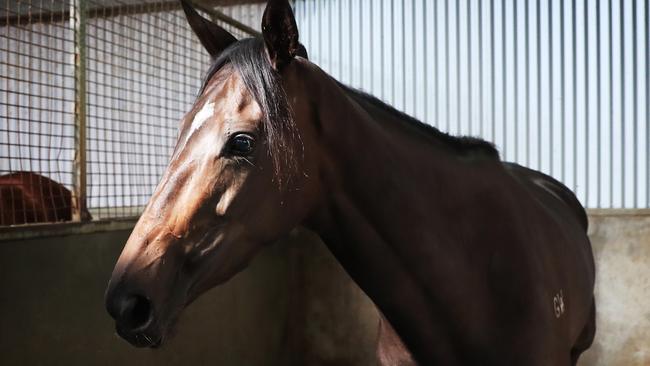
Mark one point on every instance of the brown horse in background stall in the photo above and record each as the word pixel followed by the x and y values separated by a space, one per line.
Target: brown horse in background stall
pixel 472 260
pixel 27 198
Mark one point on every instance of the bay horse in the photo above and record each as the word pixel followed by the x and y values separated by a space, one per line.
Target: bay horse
pixel 471 260
pixel 28 197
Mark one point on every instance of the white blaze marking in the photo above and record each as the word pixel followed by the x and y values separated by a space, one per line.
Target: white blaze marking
pixel 199 119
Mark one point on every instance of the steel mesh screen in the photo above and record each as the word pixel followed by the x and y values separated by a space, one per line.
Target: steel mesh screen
pixel 36 111
pixel 143 68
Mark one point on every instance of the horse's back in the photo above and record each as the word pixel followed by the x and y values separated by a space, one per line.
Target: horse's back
pixel 28 197
pixel 560 203
pixel 552 187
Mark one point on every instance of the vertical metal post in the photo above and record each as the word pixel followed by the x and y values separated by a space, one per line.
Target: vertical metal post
pixel 563 149
pixel 610 58
pixel 470 130
pixel 623 100
pixel 646 18
pixel 350 45
pixel 599 154
pixel 574 94
pixel 340 21
pixel 515 41
pixel 458 103
pixel 587 104
pixel 362 68
pixel 492 74
pixel 550 87
pixel 504 83
pixel 415 54
pixel 371 44
pixel 538 44
pixel 527 65
pixel 447 104
pixel 382 70
pixel 635 167
pixel 425 54
pixel 392 51
pixel 481 120
pixel 78 23
pixel 403 25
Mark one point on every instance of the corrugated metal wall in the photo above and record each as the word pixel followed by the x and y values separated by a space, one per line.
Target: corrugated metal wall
pixel 559 85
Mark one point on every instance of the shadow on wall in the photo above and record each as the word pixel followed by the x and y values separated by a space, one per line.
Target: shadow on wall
pixel 52 310
pixel 294 305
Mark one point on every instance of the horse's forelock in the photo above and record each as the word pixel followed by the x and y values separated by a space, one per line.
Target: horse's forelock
pixel 249 59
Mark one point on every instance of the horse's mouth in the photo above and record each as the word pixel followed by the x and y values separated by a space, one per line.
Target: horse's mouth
pixel 140 339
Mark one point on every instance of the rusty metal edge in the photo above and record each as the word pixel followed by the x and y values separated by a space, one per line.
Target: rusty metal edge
pixel 34 231
pixel 120 10
pixel 220 16
pixel 78 24
pixel 630 212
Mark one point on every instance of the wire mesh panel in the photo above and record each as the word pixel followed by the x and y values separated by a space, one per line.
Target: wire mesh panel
pixel 142 68
pixel 36 111
pixel 249 15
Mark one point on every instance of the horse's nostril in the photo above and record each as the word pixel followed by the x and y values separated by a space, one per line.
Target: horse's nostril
pixel 135 312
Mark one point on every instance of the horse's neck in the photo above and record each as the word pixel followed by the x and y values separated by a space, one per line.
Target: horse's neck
pixel 375 165
pixel 385 212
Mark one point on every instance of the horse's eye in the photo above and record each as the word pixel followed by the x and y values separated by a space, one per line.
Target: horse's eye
pixel 241 145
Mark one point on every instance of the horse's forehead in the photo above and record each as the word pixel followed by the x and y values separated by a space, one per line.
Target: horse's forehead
pixel 223 88
pixel 224 107
pixel 229 96
pixel 224 98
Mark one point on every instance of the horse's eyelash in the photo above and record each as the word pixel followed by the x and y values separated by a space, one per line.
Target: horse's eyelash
pixel 243 160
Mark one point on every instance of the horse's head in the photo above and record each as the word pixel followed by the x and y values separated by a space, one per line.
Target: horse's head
pixel 238 179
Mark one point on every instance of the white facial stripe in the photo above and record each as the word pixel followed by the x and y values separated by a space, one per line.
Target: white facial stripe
pixel 206 112
pixel 199 119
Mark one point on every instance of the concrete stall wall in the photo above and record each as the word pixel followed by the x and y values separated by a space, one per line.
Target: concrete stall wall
pixel 622 249
pixel 52 312
pixel 293 306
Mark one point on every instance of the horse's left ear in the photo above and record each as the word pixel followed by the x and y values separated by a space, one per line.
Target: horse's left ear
pixel 280 33
pixel 214 38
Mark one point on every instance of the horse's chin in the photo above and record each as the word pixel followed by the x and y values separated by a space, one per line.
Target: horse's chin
pixel 141 339
pixel 155 335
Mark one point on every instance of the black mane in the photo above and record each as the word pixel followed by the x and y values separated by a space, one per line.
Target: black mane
pixel 459 144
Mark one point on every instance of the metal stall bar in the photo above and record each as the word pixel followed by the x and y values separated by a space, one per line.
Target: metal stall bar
pixel 48 16
pixel 78 21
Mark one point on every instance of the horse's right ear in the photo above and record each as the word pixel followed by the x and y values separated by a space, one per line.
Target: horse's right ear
pixel 214 38
pixel 280 33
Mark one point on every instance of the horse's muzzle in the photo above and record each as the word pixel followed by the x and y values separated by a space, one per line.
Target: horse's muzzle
pixel 134 318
